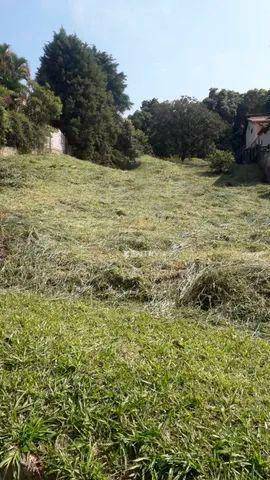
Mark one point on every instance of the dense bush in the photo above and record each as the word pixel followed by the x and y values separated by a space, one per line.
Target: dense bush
pixel 141 142
pixel 25 116
pixel 125 152
pixel 220 161
pixel 21 132
pixel 42 106
pixel 4 125
pixel 24 134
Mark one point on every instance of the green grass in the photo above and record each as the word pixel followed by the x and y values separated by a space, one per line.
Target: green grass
pixel 73 228
pixel 130 310
pixel 96 392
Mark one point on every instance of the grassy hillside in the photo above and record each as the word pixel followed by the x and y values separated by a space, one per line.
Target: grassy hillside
pixel 122 298
pixel 163 234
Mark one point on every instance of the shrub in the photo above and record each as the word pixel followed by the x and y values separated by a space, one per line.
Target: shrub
pixel 125 152
pixel 21 133
pixel 125 140
pixel 42 106
pixel 4 125
pixel 220 161
pixel 141 142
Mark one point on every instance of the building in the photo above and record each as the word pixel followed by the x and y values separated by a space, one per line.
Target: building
pixel 258 131
pixel 257 148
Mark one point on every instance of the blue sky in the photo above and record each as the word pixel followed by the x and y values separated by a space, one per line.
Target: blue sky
pixel 167 48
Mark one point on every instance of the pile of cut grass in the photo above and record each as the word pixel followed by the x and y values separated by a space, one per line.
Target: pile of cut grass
pixel 102 393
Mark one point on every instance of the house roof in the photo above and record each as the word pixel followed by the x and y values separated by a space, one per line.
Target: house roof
pixel 259 118
pixel 262 122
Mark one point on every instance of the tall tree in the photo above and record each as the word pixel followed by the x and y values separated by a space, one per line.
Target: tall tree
pixel 116 82
pixel 13 69
pixel 89 118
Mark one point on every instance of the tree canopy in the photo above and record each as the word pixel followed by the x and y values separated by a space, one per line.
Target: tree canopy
pixel 91 98
pixel 183 127
pixel 116 82
pixel 26 109
pixel 233 108
pixel 224 102
pixel 13 69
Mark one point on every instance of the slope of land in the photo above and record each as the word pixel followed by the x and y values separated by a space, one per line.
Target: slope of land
pixel 123 301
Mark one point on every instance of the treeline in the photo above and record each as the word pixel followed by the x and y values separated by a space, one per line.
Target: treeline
pixel 80 90
pixel 187 127
pixel 77 89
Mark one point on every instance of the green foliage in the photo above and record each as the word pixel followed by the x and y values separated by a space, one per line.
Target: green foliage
pixel 233 108
pixel 141 142
pixel 167 388
pixel 153 232
pixel 95 392
pixel 6 97
pixel 42 106
pixel 4 125
pixel 125 143
pixel 21 133
pixel 13 69
pixel 89 118
pixel 142 118
pixel 26 111
pixel 221 161
pixel 224 102
pixel 115 81
pixel 24 134
pixel 183 127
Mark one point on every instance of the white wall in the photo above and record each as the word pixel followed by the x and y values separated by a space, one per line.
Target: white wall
pixel 251 133
pixel 264 139
pixel 252 137
pixel 57 142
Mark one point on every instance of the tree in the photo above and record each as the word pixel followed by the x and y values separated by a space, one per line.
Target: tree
pixel 42 106
pixel 253 102
pixel 26 110
pixel 13 69
pixel 224 102
pixel 115 81
pixel 28 127
pixel 233 108
pixel 184 127
pixel 142 118
pixel 89 118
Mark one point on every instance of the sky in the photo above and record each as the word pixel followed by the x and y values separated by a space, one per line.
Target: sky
pixel 167 48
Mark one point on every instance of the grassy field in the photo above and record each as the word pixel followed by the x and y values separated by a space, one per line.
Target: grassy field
pixel 131 306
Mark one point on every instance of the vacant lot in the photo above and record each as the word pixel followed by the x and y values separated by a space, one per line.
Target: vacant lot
pixel 130 309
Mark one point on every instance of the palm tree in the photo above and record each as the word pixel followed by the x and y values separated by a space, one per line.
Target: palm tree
pixel 13 69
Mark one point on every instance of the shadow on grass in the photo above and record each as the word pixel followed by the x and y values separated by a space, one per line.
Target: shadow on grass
pixel 247 175
pixel 265 195
pixel 207 174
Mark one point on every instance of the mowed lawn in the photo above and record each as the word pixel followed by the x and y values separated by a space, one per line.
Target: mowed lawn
pixel 131 309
